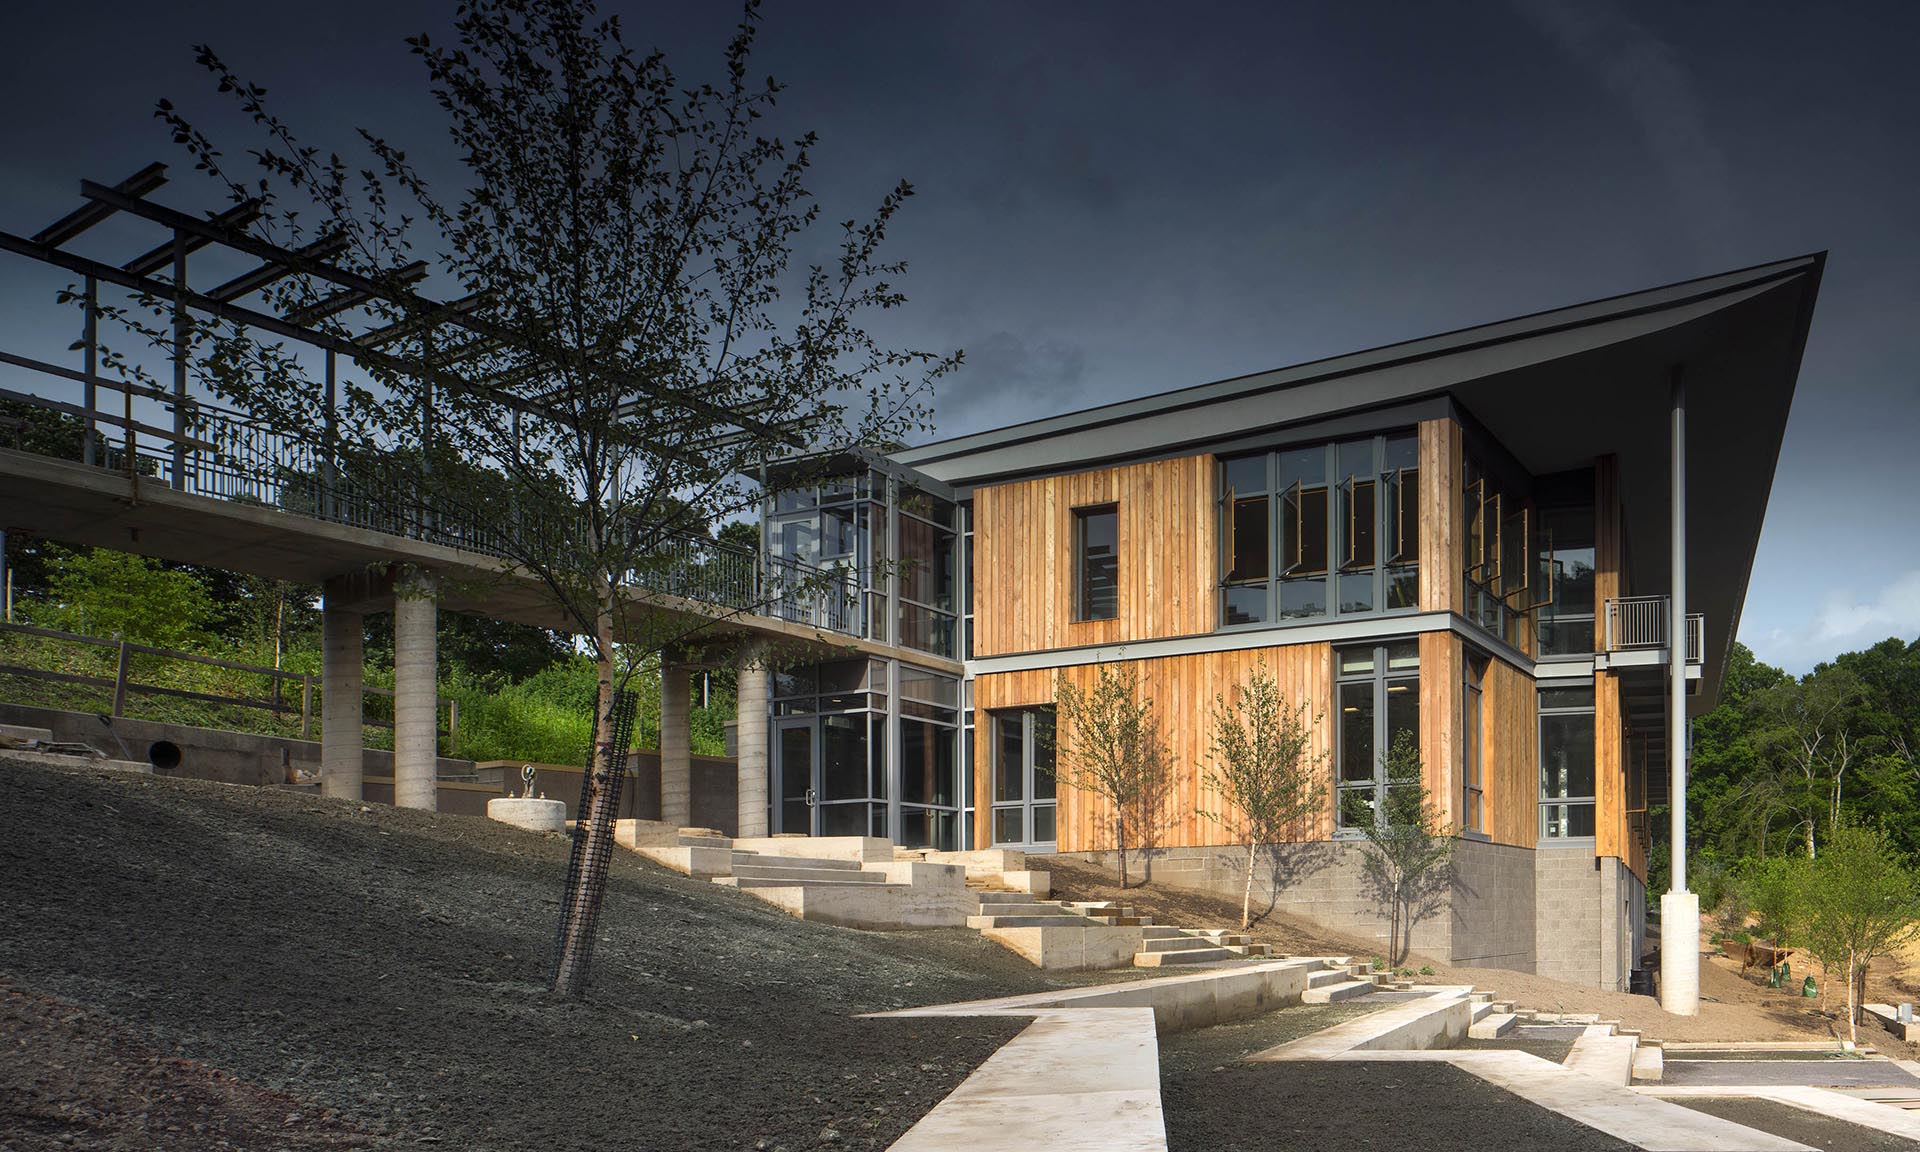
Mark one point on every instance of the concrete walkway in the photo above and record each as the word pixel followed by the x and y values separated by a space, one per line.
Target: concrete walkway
pixel 1076 1079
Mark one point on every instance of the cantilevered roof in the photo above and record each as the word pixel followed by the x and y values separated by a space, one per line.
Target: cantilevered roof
pixel 1557 389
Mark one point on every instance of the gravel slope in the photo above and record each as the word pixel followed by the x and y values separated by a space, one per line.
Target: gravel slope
pixel 385 968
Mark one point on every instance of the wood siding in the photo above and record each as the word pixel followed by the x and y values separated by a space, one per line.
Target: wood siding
pixel 1023 556
pixel 1443 529
pixel 1511 724
pixel 1615 833
pixel 1183 689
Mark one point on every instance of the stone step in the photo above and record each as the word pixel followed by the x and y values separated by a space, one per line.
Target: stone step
pixel 1334 993
pixel 1062 920
pixel 1492 1026
pixel 1183 956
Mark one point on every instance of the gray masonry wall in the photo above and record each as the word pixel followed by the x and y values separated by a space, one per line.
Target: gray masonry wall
pixel 1492 907
pixel 1569 894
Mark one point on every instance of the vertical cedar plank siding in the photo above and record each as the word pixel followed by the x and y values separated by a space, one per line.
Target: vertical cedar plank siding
pixel 1182 689
pixel 1613 832
pixel 1443 510
pixel 1024 554
pixel 1512 730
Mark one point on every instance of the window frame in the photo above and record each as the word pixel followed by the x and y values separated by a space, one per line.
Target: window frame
pixel 1540 772
pixel 1027 802
pixel 1392 542
pixel 1473 750
pixel 1381 676
pixel 1081 515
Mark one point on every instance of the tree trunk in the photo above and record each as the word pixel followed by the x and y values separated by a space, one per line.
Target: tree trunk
pixel 1853 1025
pixel 595 824
pixel 1120 840
pixel 1246 898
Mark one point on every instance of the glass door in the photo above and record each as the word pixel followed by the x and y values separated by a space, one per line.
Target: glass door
pixel 796 746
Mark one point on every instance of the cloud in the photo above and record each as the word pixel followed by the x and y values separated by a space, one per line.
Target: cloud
pixel 1007 378
pixel 1646 74
pixel 1845 622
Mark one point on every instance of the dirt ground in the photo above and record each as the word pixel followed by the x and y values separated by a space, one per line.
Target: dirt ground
pixel 291 972
pixel 1809 1128
pixel 1732 1007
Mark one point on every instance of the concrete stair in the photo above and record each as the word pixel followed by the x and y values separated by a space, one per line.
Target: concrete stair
pixel 1490 1022
pixel 1332 992
pixel 1179 949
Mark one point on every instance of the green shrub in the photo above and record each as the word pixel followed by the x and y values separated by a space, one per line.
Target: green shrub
pixel 1426 969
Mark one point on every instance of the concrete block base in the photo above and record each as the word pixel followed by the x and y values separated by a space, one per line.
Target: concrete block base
pixel 534 815
pixel 1071 947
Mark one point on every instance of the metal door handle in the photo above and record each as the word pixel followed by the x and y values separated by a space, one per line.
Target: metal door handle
pixel 813 798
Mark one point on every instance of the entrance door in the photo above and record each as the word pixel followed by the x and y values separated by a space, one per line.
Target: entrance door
pixel 1023 779
pixel 798 757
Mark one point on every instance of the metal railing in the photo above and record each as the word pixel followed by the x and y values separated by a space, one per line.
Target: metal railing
pixel 229 456
pixel 1641 622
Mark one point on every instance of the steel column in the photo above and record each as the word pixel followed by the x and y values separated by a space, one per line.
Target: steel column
pixel 1679 908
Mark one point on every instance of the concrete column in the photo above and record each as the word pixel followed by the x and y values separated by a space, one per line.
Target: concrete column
pixel 676 745
pixel 415 696
pixel 342 673
pixel 753 697
pixel 1679 908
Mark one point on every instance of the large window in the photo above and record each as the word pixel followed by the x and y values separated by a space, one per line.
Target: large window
pixel 1096 563
pixel 1566 762
pixel 930 776
pixel 1564 620
pixel 1023 781
pixel 830 739
pixel 1377 693
pixel 929 543
pixel 1321 529
pixel 1506 574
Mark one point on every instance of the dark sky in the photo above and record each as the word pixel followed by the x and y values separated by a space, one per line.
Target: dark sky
pixel 1119 199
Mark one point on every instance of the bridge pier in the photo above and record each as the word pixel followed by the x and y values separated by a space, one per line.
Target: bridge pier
pixel 342 680
pixel 416 753
pixel 753 698
pixel 676 744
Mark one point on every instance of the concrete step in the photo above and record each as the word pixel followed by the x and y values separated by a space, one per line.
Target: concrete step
pixel 1176 944
pixel 1183 956
pixel 1480 997
pixel 1062 920
pixel 1004 896
pixel 741 856
pixel 1602 1055
pixel 1027 907
pixel 23 733
pixel 1160 932
pixel 1334 993
pixel 1326 976
pixel 1249 949
pixel 807 875
pixel 1492 1026
pixel 790 881
pixel 1649 1065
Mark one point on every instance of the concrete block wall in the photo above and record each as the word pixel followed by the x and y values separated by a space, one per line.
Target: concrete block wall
pixel 1492 906
pixel 1569 896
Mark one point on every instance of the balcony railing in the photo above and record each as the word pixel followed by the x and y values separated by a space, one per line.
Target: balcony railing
pixel 1638 622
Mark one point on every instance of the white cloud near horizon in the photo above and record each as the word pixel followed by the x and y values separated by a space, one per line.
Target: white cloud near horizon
pixel 1845 621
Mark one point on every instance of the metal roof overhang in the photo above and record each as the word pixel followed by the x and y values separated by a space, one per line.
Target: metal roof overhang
pixel 1556 389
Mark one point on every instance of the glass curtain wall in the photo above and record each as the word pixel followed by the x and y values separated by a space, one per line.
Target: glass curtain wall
pixel 1330 529
pixel 1564 622
pixel 927 567
pixel 930 777
pixel 839 523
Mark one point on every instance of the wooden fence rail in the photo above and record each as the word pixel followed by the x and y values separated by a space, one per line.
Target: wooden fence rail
pixel 122 682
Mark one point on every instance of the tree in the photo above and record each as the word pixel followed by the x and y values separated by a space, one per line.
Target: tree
pixel 1108 743
pixel 1409 850
pixel 105 593
pixel 1265 771
pixel 633 342
pixel 1859 899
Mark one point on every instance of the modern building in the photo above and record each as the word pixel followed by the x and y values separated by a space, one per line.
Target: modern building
pixel 1470 538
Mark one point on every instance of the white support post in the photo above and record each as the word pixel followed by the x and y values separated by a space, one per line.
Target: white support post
pixel 1679 908
pixel 676 745
pixel 753 697
pixel 416 711
pixel 342 675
